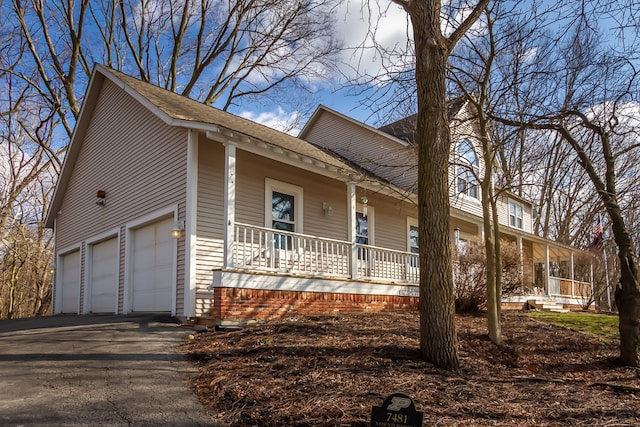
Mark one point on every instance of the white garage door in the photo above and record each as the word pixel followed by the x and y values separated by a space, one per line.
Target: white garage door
pixel 69 291
pixel 103 280
pixel 152 267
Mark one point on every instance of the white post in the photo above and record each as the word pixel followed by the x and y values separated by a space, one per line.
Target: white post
pixel 190 226
pixel 521 255
pixel 573 281
pixel 546 268
pixel 229 201
pixel 351 228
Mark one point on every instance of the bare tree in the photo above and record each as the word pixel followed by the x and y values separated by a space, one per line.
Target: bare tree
pixel 215 51
pixel 591 103
pixel 29 164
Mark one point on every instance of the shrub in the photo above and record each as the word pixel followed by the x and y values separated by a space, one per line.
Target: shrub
pixel 470 275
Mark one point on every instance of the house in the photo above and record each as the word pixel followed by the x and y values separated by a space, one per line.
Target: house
pixel 165 204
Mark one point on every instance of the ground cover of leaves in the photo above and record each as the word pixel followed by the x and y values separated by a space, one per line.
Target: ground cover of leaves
pixel 330 371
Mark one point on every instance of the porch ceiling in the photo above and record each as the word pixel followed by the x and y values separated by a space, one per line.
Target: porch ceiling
pixel 555 253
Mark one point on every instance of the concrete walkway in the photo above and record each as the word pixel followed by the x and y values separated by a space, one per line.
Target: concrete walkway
pixel 95 371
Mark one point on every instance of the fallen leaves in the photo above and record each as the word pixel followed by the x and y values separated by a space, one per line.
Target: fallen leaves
pixel 330 371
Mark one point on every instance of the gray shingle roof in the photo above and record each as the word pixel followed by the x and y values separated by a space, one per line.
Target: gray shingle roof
pixel 178 107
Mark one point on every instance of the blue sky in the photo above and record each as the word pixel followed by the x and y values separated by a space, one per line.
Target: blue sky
pixel 353 28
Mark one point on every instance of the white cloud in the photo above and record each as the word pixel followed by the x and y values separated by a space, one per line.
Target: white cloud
pixel 363 26
pixel 279 119
pixel 367 28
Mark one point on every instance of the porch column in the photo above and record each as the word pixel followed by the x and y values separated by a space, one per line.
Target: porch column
pixel 573 280
pixel 229 201
pixel 351 228
pixel 546 268
pixel 521 255
pixel 191 216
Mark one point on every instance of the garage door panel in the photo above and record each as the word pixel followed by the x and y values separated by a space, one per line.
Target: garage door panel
pixel 104 277
pixel 153 266
pixel 70 282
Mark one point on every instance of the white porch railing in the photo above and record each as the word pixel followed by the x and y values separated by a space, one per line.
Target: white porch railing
pixel 387 264
pixel 266 249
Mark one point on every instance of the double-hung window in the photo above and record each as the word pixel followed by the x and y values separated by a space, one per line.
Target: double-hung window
pixel 283 208
pixel 362 229
pixel 413 242
pixel 515 214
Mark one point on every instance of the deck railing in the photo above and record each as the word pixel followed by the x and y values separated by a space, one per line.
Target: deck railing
pixel 266 249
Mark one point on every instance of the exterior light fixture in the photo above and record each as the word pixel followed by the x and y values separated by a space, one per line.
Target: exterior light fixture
pixel 176 231
pixel 100 197
pixel 364 206
pixel 327 208
pixel 52 268
pixel 456 236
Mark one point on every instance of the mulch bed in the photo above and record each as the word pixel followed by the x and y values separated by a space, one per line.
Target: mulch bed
pixel 331 370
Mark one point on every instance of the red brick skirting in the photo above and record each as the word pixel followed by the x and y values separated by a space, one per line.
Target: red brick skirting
pixel 235 304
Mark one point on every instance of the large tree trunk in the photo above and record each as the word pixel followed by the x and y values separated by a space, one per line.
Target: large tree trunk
pixel 438 340
pixel 628 292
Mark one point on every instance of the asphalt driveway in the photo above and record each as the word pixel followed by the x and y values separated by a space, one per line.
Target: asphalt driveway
pixel 95 371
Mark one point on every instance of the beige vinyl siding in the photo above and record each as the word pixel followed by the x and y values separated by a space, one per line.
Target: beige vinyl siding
pixel 253 170
pixel 502 206
pixel 210 223
pixel 390 221
pixel 528 219
pixel 386 157
pixel 136 159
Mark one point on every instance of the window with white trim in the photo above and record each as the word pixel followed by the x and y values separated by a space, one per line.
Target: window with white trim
pixel 283 209
pixel 362 229
pixel 467 170
pixel 515 214
pixel 413 243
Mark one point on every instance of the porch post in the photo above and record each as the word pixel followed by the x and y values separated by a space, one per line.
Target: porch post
pixel 521 255
pixel 546 268
pixel 229 201
pixel 573 279
pixel 191 216
pixel 351 229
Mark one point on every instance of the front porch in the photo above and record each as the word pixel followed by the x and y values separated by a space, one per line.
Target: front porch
pixel 270 273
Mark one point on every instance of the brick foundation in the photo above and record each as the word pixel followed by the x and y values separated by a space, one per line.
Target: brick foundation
pixel 242 305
